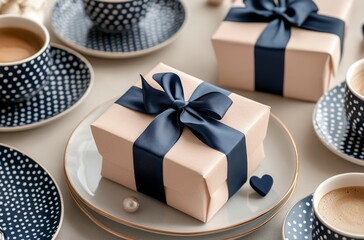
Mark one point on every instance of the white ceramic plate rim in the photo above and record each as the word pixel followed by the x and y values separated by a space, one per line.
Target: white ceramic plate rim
pixel 80 100
pixel 55 183
pixel 329 146
pixel 274 212
pixel 119 55
pixel 278 121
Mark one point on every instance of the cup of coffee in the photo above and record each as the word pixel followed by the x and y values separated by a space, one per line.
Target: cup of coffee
pixel 115 15
pixel 354 97
pixel 338 206
pixel 24 58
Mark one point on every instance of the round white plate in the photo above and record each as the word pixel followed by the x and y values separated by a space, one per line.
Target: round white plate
pixel 83 171
pixel 331 127
pixel 70 81
pixel 126 232
pixel 160 27
pixel 31 205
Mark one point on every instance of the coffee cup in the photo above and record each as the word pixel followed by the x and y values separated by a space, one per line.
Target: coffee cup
pixel 354 97
pixel 24 58
pixel 115 15
pixel 338 207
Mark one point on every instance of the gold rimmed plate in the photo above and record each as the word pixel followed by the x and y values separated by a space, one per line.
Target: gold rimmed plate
pixel 125 232
pixel 83 172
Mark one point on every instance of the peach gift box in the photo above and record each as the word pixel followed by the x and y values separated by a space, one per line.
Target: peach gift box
pixel 311 58
pixel 195 175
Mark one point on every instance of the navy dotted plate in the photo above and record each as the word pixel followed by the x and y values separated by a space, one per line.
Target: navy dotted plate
pixel 298 222
pixel 158 28
pixel 31 205
pixel 70 82
pixel 330 124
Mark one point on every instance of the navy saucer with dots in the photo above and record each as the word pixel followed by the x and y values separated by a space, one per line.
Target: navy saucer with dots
pixel 298 223
pixel 162 21
pixel 30 204
pixel 69 79
pixel 301 224
pixel 332 127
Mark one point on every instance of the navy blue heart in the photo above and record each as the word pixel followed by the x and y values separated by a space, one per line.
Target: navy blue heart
pixel 261 185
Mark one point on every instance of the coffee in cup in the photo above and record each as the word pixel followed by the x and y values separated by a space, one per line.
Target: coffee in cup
pixel 17 44
pixel 354 97
pixel 338 208
pixel 24 58
pixel 343 208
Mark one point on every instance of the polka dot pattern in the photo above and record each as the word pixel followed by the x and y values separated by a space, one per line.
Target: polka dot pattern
pixel 298 223
pixel 321 232
pixel 162 21
pixel 69 79
pixel 331 125
pixel 115 16
pixel 21 81
pixel 355 108
pixel 30 204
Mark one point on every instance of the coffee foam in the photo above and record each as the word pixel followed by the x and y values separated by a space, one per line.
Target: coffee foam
pixel 17 44
pixel 344 209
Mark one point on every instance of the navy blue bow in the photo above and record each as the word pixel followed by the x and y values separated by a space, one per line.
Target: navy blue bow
pixel 271 44
pixel 200 114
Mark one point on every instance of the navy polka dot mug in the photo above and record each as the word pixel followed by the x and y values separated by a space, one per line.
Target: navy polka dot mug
pixel 338 208
pixel 23 65
pixel 354 97
pixel 115 15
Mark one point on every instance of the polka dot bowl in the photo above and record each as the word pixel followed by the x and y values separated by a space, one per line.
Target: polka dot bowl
pixel 115 16
pixel 354 98
pixel 23 79
pixel 31 205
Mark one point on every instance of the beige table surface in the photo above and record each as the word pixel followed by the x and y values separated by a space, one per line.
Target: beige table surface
pixel 192 53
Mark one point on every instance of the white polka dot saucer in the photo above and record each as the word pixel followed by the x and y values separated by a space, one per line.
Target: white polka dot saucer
pixel 161 25
pixel 298 222
pixel 70 81
pixel 31 205
pixel 331 127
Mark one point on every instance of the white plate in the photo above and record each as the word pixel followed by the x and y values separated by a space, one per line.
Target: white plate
pixel 126 232
pixel 83 171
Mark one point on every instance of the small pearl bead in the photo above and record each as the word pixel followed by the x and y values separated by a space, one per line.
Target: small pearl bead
pixel 130 204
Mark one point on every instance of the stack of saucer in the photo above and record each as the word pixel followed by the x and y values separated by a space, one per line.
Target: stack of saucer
pixel 102 199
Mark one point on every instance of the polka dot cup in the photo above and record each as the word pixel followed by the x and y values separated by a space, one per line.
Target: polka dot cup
pixel 354 98
pixel 23 79
pixel 115 15
pixel 321 229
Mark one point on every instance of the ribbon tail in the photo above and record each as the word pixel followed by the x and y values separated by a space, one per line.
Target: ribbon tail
pixel 327 24
pixel 149 151
pixel 223 139
pixel 270 57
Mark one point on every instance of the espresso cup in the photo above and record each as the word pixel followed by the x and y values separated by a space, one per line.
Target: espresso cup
pixel 22 78
pixel 335 208
pixel 115 15
pixel 354 97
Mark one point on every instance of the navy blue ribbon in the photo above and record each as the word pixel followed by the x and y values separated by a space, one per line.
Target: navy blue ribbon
pixel 172 112
pixel 270 47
